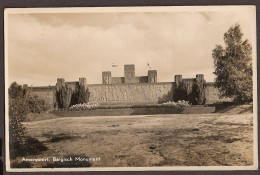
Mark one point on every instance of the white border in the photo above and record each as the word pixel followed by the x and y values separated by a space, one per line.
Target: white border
pixel 133 9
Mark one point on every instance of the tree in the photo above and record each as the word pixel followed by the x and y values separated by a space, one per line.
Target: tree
pixel 198 92
pixel 83 96
pixel 233 66
pixel 180 92
pixel 64 96
pixel 36 104
pixel 66 93
pixel 15 91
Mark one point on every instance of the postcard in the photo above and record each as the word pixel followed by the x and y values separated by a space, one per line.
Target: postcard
pixel 131 88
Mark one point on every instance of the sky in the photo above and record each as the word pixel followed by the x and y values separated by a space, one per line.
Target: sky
pixel 42 47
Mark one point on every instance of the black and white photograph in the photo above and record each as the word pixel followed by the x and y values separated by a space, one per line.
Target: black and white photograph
pixel 130 88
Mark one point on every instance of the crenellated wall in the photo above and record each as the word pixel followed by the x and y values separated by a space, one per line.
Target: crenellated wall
pixel 129 89
pixel 117 80
pixel 135 93
pixel 141 79
pixel 73 85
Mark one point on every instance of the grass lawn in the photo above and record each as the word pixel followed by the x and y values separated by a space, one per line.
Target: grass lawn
pixel 224 138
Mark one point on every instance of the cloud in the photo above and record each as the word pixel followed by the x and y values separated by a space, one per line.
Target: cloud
pixel 43 47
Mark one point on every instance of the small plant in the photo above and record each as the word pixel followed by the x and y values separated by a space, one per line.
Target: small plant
pixel 178 103
pixel 83 106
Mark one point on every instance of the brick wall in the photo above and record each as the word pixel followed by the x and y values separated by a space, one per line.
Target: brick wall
pixel 137 93
pixel 121 80
pixel 131 93
pixel 212 94
pixel 73 85
pixel 117 80
pixel 141 79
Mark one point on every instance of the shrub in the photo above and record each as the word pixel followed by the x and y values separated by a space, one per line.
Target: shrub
pixel 20 143
pixel 83 96
pixel 180 92
pixel 15 91
pixel 198 93
pixel 64 96
pixel 193 92
pixel 18 109
pixel 36 105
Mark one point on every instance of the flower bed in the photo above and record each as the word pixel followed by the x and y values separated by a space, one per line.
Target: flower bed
pixel 84 106
pixel 88 106
pixel 178 103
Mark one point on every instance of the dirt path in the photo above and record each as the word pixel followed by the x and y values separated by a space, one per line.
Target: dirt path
pixel 157 140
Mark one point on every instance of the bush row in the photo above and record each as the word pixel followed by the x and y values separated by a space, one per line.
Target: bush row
pixel 19 106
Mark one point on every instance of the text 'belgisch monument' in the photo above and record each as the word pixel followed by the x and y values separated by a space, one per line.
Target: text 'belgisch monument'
pixel 129 89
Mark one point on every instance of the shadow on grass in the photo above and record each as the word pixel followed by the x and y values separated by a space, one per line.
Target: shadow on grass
pixel 223 107
pixel 232 106
pixel 59 137
pixel 31 146
pixel 224 139
pixel 249 109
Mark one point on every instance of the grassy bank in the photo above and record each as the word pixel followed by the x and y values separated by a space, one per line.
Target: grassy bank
pixel 136 110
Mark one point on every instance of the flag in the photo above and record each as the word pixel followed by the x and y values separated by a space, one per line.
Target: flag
pixel 114 65
pixel 149 66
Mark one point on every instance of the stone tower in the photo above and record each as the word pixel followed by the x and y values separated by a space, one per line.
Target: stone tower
pixel 178 80
pixel 152 76
pixel 200 78
pixel 129 73
pixel 60 83
pixel 83 82
pixel 106 77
